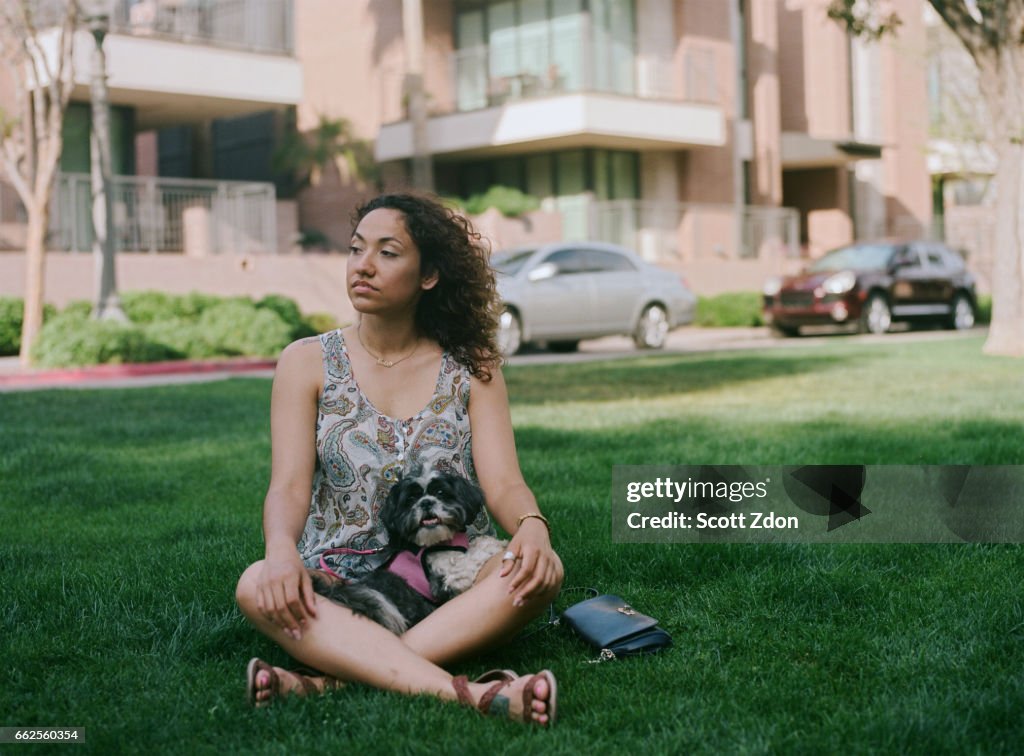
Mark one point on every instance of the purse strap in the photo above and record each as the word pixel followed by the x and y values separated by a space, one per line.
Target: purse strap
pixel 553 615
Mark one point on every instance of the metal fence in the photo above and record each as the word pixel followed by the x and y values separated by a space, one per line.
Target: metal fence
pixel 169 215
pixel 486 75
pixel 665 231
pixel 257 25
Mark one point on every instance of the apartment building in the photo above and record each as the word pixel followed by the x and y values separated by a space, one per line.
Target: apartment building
pixel 200 93
pixel 684 128
pixel 726 136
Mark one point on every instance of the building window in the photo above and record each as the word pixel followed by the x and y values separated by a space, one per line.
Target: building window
pixel 515 49
pixel 606 174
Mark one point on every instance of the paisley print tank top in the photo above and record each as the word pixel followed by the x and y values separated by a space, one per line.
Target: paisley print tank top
pixel 361 453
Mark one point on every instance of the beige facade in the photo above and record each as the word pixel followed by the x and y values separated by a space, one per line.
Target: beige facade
pixel 829 126
pixel 698 132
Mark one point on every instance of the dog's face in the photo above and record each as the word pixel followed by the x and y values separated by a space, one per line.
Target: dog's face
pixel 424 509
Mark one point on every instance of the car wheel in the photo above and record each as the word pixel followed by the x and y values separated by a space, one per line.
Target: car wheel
pixel 652 328
pixel 510 332
pixel 877 317
pixel 785 331
pixel 564 346
pixel 961 315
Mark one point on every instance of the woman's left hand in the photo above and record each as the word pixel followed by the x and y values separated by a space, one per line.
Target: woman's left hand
pixel 536 570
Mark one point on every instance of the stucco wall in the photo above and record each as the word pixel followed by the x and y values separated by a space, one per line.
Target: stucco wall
pixel 316 282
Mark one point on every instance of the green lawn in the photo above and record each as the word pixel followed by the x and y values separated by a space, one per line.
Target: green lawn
pixel 126 516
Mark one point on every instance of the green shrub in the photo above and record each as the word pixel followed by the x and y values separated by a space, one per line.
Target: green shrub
pixel 12 311
pixel 739 308
pixel 239 328
pixel 509 202
pixel 143 307
pixel 69 340
pixel 983 316
pixel 183 337
pixel 12 314
pixel 152 306
pixel 164 326
pixel 312 239
pixel 79 308
pixel 289 312
pixel 322 322
pixel 195 303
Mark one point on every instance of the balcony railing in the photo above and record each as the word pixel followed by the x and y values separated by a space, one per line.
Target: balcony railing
pixel 667 231
pixel 168 215
pixel 490 75
pixel 264 26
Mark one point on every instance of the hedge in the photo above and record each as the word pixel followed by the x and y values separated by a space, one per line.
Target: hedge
pixel 12 313
pixel 738 308
pixel 162 327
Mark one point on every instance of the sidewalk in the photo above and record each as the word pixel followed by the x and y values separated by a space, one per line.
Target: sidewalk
pixel 685 340
pixel 13 377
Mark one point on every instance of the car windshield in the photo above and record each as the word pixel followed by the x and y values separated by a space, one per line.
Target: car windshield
pixel 858 257
pixel 511 263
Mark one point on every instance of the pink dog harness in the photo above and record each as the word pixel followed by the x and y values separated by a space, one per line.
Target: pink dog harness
pixel 408 565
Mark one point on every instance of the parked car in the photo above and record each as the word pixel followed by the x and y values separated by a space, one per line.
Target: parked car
pixel 562 293
pixel 872 284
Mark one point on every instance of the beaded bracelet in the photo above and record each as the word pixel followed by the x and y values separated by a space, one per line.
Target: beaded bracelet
pixel 538 516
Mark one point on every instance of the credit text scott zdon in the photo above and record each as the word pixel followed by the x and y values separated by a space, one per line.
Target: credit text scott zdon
pixel 702 521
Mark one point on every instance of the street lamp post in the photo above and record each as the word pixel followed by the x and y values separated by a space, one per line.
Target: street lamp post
pixel 107 305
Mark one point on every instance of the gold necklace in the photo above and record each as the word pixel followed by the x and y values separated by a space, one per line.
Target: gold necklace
pixel 380 360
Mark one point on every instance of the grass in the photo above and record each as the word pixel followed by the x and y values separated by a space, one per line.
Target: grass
pixel 126 516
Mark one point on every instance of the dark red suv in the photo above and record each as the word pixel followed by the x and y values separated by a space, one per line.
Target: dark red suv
pixel 872 284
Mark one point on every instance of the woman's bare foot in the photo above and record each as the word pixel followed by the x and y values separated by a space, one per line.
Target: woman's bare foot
pixel 531 699
pixel 265 683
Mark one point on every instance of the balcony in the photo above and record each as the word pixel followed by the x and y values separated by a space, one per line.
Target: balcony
pixel 264 26
pixel 182 61
pixel 485 76
pixel 154 214
pixel 506 103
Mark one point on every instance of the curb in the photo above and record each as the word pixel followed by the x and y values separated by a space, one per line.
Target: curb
pixel 133 370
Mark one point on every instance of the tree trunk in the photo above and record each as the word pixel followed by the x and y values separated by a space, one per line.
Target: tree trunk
pixel 1001 87
pixel 413 34
pixel 35 270
pixel 1006 334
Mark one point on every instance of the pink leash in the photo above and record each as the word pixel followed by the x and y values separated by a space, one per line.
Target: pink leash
pixel 343 550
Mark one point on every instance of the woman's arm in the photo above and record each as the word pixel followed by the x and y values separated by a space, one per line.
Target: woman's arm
pixel 508 496
pixel 285 590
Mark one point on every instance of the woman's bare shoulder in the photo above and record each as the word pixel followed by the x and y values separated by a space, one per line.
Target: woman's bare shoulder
pixel 492 389
pixel 301 364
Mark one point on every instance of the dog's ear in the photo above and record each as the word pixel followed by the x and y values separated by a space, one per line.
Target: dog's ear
pixel 469 495
pixel 394 506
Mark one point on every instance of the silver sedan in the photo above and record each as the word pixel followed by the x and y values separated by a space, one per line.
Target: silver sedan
pixel 561 293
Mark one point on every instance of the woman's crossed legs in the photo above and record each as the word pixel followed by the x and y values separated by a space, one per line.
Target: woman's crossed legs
pixel 349 647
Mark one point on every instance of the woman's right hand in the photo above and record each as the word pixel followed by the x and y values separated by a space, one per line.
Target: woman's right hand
pixel 285 594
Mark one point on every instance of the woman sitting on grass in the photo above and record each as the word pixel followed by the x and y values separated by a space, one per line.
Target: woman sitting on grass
pixel 423 349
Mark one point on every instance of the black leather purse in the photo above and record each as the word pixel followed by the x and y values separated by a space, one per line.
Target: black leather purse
pixel 614 628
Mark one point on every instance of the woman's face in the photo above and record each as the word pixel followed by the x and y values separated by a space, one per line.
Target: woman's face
pixel 384 265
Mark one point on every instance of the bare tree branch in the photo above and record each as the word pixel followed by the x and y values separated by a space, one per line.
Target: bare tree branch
pixel 31 39
pixel 958 18
pixel 14 173
pixel 66 69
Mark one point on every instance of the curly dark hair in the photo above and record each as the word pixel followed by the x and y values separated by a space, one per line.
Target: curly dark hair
pixel 461 311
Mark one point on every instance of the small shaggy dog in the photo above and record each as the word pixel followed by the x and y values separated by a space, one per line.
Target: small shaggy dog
pixel 431 559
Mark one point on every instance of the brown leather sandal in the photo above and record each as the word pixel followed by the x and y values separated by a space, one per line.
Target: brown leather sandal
pixel 494 704
pixel 309 688
pixel 497 674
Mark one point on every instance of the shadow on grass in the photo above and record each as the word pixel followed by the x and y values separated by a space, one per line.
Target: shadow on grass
pixel 651 377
